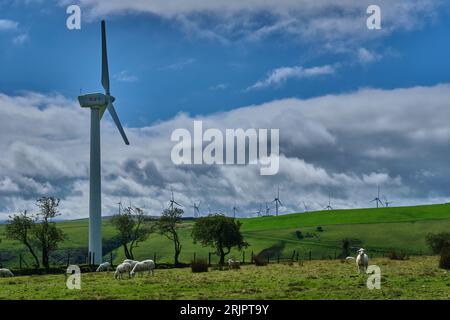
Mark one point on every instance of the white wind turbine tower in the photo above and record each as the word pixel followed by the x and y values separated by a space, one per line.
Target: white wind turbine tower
pixel 196 209
pixel 267 209
pixel 98 103
pixel 235 210
pixel 277 201
pixel 172 201
pixel 377 198
pixel 258 213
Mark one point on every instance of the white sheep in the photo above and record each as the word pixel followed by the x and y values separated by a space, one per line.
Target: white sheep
pixel 146 265
pixel 132 262
pixel 5 273
pixel 122 268
pixel 233 264
pixel 362 261
pixel 105 266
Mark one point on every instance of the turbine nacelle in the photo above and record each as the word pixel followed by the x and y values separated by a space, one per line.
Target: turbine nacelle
pixel 95 100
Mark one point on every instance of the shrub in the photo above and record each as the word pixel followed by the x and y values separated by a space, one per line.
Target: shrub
pixel 199 265
pixel 444 261
pixel 260 261
pixel 299 234
pixel 401 255
pixel 437 242
pixel 319 229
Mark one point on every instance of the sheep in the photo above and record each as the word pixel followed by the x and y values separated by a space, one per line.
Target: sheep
pixel 5 273
pixel 105 266
pixel 233 264
pixel 132 262
pixel 146 265
pixel 362 261
pixel 122 268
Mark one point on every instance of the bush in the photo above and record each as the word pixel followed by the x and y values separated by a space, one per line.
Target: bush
pixel 437 242
pixel 401 255
pixel 299 234
pixel 319 229
pixel 444 261
pixel 260 261
pixel 199 265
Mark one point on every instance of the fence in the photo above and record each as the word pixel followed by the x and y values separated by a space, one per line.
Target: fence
pixel 65 257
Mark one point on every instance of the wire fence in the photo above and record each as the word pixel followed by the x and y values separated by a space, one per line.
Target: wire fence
pixel 81 256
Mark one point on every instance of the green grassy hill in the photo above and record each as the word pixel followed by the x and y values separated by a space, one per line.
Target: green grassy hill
pixel 378 230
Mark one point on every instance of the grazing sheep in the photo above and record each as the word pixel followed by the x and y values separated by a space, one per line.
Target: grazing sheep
pixel 122 268
pixel 362 261
pixel 105 266
pixel 132 262
pixel 146 265
pixel 5 273
pixel 233 264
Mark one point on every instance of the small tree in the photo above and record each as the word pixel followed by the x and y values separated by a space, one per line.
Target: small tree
pixel 440 244
pixel 220 232
pixel 19 228
pixel 45 233
pixel 168 226
pixel 133 229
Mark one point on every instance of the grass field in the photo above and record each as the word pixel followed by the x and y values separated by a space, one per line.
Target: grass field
pixel 399 228
pixel 417 278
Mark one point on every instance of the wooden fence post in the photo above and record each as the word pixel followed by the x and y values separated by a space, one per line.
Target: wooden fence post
pixel 154 257
pixel 110 258
pixel 194 256
pixel 20 261
pixel 68 258
pixel 252 258
pixel 309 255
pixel 209 259
pixel 243 257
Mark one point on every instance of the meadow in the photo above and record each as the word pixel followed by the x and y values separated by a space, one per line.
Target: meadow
pixel 377 230
pixel 416 278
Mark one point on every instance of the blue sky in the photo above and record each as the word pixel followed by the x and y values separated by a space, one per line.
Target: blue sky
pixel 165 70
pixel 356 108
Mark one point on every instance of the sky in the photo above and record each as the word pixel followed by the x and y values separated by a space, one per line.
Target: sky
pixel 356 108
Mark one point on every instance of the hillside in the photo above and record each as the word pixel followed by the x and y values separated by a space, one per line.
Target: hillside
pixel 378 230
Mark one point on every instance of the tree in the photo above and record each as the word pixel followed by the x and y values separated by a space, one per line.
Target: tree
pixel 19 228
pixel 133 229
pixel 45 232
pixel 220 232
pixel 168 224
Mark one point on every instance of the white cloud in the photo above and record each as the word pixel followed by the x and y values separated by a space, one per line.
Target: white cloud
pixel 20 39
pixel 6 25
pixel 125 76
pixel 343 144
pixel 317 21
pixel 280 75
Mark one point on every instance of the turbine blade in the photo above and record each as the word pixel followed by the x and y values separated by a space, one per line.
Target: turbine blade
pixel 113 113
pixel 105 70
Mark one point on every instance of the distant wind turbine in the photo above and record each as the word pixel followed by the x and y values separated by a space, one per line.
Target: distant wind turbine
pixel 277 201
pixel 196 209
pixel 328 207
pixel 377 199
pixel 172 201
pixel 258 213
pixel 267 209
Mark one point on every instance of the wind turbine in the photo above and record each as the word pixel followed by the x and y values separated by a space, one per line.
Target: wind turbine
pixel 306 207
pixel 386 202
pixel 277 201
pixel 267 209
pixel 328 207
pixel 196 209
pixel 98 103
pixel 377 198
pixel 235 210
pixel 258 213
pixel 120 206
pixel 172 201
